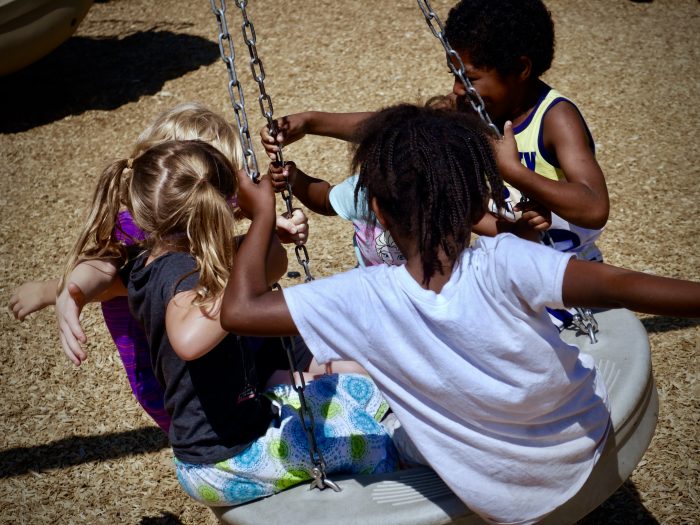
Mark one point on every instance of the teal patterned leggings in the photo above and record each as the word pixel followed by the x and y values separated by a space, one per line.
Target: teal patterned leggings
pixel 346 408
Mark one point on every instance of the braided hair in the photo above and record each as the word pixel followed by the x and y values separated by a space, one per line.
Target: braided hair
pixel 431 172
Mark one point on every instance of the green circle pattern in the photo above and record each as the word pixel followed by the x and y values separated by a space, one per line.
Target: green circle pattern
pixel 290 478
pixel 358 446
pixel 279 449
pixel 208 494
pixel 331 409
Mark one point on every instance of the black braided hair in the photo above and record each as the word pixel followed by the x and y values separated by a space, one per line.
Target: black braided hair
pixel 431 172
pixel 496 33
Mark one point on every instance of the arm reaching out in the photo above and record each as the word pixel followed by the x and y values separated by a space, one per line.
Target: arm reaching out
pixel 249 307
pixel 313 193
pixel 87 282
pixel 293 127
pixel 31 297
pixel 593 284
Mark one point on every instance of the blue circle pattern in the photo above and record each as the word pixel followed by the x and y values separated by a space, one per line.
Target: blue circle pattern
pixel 359 388
pixel 250 459
pixel 364 422
pixel 241 490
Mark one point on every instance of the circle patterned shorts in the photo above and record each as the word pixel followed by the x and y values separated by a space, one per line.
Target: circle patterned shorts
pixel 347 409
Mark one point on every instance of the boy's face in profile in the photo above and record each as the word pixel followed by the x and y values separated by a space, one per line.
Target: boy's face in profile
pixel 496 90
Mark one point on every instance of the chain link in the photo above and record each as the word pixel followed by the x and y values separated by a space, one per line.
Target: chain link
pixel 266 109
pixel 438 30
pixel 318 471
pixel 235 90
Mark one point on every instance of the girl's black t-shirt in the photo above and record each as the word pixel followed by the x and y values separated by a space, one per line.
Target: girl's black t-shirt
pixel 214 415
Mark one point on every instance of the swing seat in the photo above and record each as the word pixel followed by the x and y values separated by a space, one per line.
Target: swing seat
pixel 31 29
pixel 417 496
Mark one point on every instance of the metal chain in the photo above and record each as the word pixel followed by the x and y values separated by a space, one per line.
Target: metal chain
pixel 235 90
pixel 438 30
pixel 318 471
pixel 258 70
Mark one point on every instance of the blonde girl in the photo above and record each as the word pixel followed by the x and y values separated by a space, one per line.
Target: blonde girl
pixel 231 442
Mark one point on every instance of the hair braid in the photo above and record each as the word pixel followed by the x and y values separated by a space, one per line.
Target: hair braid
pixel 430 172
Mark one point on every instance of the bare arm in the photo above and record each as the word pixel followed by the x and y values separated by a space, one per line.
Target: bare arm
pixel 312 192
pixel 582 198
pixel 31 297
pixel 192 330
pixel 249 307
pixel 600 285
pixel 86 283
pixel 293 127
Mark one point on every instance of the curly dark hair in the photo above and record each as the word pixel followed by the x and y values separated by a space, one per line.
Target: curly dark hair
pixel 496 33
pixel 431 172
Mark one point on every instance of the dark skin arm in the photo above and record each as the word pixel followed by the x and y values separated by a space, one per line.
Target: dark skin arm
pixel 591 284
pixel 312 192
pixel 249 307
pixel 293 127
pixel 582 198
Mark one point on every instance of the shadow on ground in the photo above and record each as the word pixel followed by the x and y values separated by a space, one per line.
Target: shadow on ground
pixel 667 324
pixel 78 449
pixel 165 518
pixel 98 73
pixel 622 508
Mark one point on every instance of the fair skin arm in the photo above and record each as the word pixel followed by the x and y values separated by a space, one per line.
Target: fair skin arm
pixel 583 198
pixel 255 310
pixel 31 297
pixel 89 281
pixel 193 330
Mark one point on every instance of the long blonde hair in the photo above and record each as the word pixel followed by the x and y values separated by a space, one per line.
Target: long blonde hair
pixel 99 237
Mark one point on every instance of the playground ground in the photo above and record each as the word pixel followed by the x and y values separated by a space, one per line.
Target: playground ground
pixel 75 447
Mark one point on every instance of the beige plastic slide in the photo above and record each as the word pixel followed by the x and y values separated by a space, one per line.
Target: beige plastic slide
pixel 418 496
pixel 31 29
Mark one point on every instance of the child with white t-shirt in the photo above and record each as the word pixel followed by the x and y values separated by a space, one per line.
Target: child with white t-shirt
pixel 458 339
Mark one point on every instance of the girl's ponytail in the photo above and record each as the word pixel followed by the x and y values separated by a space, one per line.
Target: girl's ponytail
pixel 97 238
pixel 210 232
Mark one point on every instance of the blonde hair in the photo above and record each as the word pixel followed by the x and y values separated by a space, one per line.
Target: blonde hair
pixel 192 121
pixel 99 238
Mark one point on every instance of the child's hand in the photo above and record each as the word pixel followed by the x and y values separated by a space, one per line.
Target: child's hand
pixel 31 297
pixel 280 174
pixel 535 215
pixel 255 199
pixel 69 304
pixel 294 229
pixel 506 150
pixel 289 129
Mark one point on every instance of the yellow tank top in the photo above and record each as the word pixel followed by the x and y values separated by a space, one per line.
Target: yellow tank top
pixel 528 136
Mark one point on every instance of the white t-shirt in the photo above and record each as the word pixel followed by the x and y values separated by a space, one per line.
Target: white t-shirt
pixel 508 415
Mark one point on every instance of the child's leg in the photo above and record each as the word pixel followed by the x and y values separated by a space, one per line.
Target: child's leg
pixel 346 412
pixel 31 297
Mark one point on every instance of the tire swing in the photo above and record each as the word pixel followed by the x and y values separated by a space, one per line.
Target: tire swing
pixel 417 496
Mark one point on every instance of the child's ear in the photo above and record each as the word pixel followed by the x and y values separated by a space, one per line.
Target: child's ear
pixel 524 68
pixel 378 213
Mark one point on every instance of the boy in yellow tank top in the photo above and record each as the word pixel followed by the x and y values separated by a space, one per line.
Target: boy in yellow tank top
pixel 548 152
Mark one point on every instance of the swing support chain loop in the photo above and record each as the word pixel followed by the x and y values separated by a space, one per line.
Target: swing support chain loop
pixel 438 29
pixel 318 471
pixel 266 109
pixel 583 320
